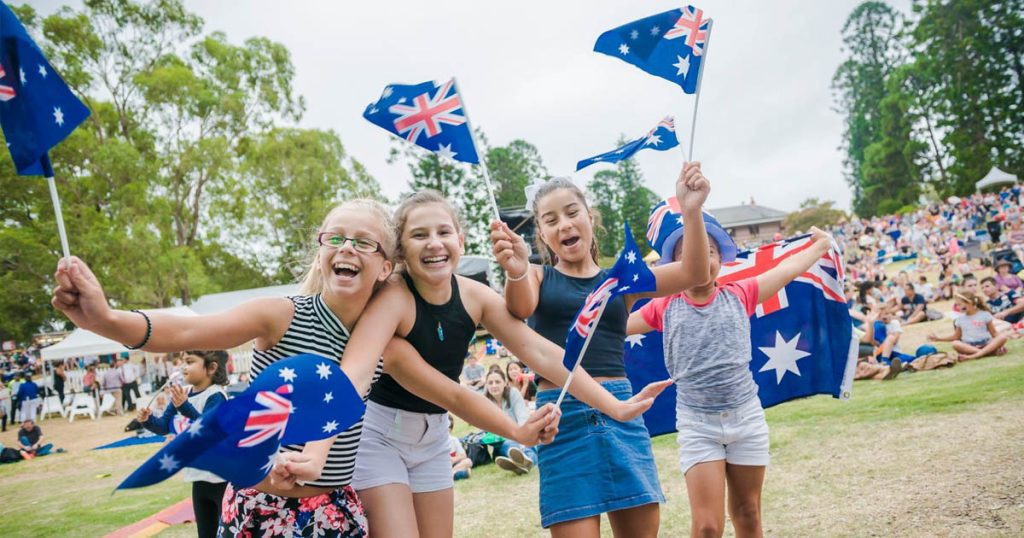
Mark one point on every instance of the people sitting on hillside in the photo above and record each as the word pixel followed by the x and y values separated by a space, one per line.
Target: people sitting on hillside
pixel 509 455
pixel 974 334
pixel 473 373
pixel 869 367
pixel 521 380
pixel 30 440
pixel 461 464
pixel 913 304
pixel 1005 305
pixel 1005 279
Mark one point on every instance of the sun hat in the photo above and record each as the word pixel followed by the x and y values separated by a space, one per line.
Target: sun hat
pixel 665 229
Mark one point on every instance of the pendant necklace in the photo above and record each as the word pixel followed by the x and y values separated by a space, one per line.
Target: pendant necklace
pixel 440 331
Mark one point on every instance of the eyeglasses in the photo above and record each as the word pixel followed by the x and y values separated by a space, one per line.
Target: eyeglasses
pixel 361 244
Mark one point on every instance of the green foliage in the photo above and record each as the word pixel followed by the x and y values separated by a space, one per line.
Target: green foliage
pixel 513 168
pixel 814 212
pixel 619 196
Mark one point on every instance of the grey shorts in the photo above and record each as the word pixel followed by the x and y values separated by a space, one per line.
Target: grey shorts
pixel 402 447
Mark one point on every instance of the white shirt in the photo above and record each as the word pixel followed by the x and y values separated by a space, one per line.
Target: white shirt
pixel 130 372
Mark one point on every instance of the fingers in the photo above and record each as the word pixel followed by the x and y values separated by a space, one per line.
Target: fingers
pixel 65 297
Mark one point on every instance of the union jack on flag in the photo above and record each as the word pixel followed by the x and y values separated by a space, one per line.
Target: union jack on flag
pixel 430 115
pixel 629 275
pixel 271 420
pixel 693 27
pixel 668 207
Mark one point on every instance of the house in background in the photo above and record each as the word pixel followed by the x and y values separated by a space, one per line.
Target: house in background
pixel 750 223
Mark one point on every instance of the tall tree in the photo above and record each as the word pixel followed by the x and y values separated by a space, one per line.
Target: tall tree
pixel 513 168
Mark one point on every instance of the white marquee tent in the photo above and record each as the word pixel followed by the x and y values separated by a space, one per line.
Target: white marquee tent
pixel 994 177
pixel 81 343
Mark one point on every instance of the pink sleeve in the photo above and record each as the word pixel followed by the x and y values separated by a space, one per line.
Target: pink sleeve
pixel 746 290
pixel 654 311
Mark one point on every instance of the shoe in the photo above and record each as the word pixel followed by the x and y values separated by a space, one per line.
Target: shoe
pixel 895 367
pixel 509 465
pixel 520 458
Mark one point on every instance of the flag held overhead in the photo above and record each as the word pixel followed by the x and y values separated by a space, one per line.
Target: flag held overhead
pixel 662 137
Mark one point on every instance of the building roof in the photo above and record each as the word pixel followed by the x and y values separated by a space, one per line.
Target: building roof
pixel 746 215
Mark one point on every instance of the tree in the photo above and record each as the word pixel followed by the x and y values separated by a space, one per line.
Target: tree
pixel 513 168
pixel 814 212
pixel 620 196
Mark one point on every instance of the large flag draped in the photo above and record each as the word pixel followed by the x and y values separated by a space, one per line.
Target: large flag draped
pixel 662 137
pixel 668 45
pixel 37 109
pixel 430 115
pixel 629 275
pixel 801 339
pixel 295 400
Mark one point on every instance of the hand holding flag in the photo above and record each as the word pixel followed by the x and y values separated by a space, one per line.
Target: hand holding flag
pixel 296 400
pixel 662 137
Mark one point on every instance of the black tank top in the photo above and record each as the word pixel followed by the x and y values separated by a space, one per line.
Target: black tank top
pixel 561 297
pixel 441 334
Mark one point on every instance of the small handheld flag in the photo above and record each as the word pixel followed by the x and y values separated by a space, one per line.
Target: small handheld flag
pixel 296 400
pixel 629 275
pixel 668 45
pixel 662 137
pixel 37 109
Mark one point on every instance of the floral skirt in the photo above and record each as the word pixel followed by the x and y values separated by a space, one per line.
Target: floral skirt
pixel 249 513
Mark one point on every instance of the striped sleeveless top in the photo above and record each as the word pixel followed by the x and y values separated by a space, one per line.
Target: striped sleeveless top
pixel 315 329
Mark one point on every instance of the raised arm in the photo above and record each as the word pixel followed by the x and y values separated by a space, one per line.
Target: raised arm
pixel 522 283
pixel 80 297
pixel 770 282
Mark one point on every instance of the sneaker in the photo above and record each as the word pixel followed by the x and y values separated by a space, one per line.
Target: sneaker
pixel 520 458
pixel 461 475
pixel 895 367
pixel 509 465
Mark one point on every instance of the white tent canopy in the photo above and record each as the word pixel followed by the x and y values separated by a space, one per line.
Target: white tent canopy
pixel 994 177
pixel 81 343
pixel 219 302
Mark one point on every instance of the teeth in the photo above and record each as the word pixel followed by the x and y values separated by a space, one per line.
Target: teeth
pixel 435 259
pixel 349 266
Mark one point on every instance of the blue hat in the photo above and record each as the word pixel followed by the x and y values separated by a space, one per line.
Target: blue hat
pixel 665 228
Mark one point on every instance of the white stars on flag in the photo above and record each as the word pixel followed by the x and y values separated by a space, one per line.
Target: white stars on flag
pixel 388 91
pixel 287 374
pixel 328 396
pixel 634 34
pixel 782 358
pixel 635 340
pixel 623 49
pixel 445 152
pixel 682 66
pixel 21 74
pixel 631 258
pixel 42 70
pixel 58 116
pixel 168 463
pixel 330 427
pixel 636 277
pixel 652 140
pixel 323 370
pixel 656 30
pixel 195 427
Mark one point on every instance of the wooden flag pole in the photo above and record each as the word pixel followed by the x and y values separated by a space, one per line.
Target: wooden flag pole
pixel 48 173
pixel 700 77
pixel 476 146
pixel 583 351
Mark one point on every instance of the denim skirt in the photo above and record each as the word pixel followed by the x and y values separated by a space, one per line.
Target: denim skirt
pixel 595 464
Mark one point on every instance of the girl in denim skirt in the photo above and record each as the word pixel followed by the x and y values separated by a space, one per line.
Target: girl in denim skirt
pixel 723 435
pixel 594 465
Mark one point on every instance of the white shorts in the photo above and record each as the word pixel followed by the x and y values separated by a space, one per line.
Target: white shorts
pixel 402 447
pixel 739 436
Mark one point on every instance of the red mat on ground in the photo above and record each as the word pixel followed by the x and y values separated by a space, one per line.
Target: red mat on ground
pixel 180 512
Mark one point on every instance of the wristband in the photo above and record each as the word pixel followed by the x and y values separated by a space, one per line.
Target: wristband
pixel 508 277
pixel 149 331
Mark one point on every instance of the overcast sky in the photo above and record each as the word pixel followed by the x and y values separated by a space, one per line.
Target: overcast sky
pixel 526 69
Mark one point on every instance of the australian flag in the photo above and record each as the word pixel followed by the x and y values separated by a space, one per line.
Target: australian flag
pixel 296 400
pixel 37 109
pixel 661 138
pixel 629 275
pixel 429 115
pixel 669 45
pixel 801 339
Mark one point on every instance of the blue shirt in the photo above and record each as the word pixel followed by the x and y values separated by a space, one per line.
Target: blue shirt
pixel 28 391
pixel 162 425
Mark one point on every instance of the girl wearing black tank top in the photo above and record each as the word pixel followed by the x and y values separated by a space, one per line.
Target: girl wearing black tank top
pixel 403 469
pixel 351 258
pixel 574 489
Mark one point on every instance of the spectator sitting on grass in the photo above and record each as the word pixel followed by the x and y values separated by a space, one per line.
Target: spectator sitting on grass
pixel 914 305
pixel 926 289
pixel 30 440
pixel 1007 306
pixel 887 337
pixel 473 373
pixel 521 380
pixel 510 455
pixel 461 464
pixel 1005 279
pixel 974 334
pixel 868 366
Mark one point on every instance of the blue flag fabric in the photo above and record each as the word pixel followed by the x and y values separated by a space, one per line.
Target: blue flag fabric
pixel 37 109
pixel 296 400
pixel 801 339
pixel 662 137
pixel 668 45
pixel 429 115
pixel 629 275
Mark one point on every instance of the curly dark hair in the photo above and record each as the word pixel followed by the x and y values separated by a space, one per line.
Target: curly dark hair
pixel 218 357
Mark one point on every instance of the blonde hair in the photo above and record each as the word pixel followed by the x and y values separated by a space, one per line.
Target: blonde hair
pixel 550 186
pixel 412 201
pixel 313 282
pixel 976 300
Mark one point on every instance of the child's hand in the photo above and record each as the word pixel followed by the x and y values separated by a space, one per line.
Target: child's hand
pixel 144 414
pixel 79 295
pixel 299 467
pixel 640 402
pixel 541 427
pixel 932 337
pixel 510 250
pixel 178 395
pixel 692 188
pixel 279 475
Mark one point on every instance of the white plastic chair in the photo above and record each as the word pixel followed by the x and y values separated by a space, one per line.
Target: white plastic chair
pixel 82 404
pixel 51 405
pixel 107 402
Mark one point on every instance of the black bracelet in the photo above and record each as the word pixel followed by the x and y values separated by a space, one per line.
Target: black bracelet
pixel 149 331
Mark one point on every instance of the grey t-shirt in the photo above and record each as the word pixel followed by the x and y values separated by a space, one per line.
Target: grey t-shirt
pixel 974 328
pixel 707 346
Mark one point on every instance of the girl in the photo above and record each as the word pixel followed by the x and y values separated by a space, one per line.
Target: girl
pixel 402 470
pixel 351 258
pixel 723 435
pixel 594 465
pixel 974 333
pixel 205 372
pixel 520 380
pixel 510 455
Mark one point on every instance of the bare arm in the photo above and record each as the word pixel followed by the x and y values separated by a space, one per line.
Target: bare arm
pixel 372 333
pixel 80 297
pixel 1017 308
pixel 637 325
pixel 770 282
pixel 948 337
pixel 512 253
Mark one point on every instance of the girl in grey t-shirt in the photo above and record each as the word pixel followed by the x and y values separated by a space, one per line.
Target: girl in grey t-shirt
pixel 974 334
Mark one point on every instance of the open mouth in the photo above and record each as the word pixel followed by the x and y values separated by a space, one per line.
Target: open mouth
pixel 570 241
pixel 435 260
pixel 346 270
